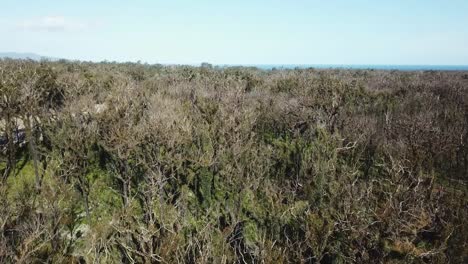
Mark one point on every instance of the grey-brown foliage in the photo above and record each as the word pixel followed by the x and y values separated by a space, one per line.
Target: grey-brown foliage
pixel 132 163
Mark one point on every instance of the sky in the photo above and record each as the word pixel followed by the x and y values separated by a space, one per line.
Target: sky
pixel 399 32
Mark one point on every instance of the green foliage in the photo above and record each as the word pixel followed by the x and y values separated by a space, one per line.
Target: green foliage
pixel 21 187
pixel 286 85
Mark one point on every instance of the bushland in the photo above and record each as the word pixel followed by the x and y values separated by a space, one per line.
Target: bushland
pixel 136 163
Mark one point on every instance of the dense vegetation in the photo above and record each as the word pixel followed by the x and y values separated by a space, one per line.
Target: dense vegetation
pixel 124 163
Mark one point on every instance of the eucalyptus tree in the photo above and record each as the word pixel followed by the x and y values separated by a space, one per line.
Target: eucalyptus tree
pixel 10 109
pixel 39 94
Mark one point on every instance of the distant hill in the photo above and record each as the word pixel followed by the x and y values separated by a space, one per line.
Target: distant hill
pixel 24 56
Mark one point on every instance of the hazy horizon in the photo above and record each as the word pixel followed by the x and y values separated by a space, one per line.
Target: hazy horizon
pixel 403 67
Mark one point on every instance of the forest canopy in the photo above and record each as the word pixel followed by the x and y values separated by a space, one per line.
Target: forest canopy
pixel 137 163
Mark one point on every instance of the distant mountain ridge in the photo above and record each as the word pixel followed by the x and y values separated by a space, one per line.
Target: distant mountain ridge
pixel 25 56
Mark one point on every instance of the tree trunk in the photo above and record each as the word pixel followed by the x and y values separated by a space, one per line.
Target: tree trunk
pixel 126 184
pixel 29 122
pixel 11 163
pixel 86 201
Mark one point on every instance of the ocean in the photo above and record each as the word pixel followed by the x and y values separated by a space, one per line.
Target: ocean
pixel 357 67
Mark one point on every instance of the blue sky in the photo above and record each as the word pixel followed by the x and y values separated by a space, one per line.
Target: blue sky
pixel 431 32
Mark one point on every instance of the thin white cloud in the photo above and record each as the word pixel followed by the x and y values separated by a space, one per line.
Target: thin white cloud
pixel 53 24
